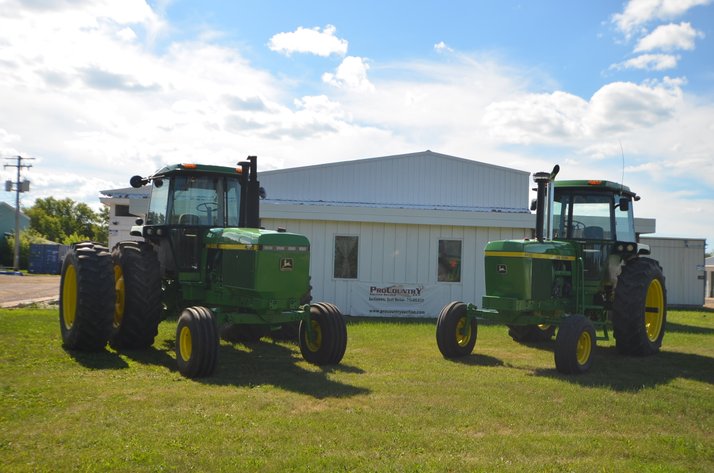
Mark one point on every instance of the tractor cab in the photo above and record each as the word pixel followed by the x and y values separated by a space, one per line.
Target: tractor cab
pixel 593 211
pixel 598 216
pixel 187 200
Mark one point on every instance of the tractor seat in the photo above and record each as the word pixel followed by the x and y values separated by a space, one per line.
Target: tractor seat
pixel 188 219
pixel 593 233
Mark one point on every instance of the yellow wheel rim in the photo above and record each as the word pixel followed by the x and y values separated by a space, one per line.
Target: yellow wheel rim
pixel 185 343
pixel 463 332
pixel 654 310
pixel 69 297
pixel 120 295
pixel 314 345
pixel 584 347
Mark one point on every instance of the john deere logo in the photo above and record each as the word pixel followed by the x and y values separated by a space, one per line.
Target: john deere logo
pixel 502 269
pixel 286 264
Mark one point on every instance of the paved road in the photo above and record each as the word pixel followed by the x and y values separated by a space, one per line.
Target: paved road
pixel 20 290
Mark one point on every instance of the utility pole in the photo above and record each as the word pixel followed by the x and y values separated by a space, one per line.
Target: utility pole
pixel 19 187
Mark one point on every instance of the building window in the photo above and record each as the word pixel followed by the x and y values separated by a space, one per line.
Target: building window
pixel 346 257
pixel 449 261
pixel 122 211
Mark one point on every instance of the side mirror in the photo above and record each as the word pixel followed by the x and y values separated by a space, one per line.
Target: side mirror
pixel 139 221
pixel 261 193
pixel 534 204
pixel 624 204
pixel 137 181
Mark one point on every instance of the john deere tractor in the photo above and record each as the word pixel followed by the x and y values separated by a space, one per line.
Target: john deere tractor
pixel 205 259
pixel 582 275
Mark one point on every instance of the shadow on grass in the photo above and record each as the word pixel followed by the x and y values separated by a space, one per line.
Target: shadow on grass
pixel 476 359
pixel 98 360
pixel 153 356
pixel 626 373
pixel 252 364
pixel 691 329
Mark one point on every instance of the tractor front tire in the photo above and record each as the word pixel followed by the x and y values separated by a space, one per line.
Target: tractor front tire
pixel 574 345
pixel 329 341
pixel 455 333
pixel 196 342
pixel 86 305
pixel 640 308
pixel 531 333
pixel 137 282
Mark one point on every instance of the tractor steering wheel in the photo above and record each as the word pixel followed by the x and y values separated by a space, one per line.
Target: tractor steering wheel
pixel 208 207
pixel 576 226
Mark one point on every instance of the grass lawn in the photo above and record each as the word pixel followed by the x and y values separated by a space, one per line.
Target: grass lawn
pixel 394 404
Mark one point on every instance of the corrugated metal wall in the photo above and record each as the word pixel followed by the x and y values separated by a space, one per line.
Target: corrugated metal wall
pixel 395 253
pixel 681 260
pixel 425 178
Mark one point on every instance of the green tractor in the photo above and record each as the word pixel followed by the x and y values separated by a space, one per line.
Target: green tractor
pixel 205 259
pixel 583 272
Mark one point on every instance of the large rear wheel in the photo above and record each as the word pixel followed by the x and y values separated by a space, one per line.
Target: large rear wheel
pixel 455 332
pixel 326 341
pixel 86 297
pixel 640 308
pixel 137 282
pixel 196 342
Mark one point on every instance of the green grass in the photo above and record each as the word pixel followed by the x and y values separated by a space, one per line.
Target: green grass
pixel 394 404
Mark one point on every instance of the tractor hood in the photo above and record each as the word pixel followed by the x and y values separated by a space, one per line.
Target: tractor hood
pixel 554 250
pixel 256 239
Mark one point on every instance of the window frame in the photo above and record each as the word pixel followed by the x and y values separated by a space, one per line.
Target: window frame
pixel 439 260
pixel 334 257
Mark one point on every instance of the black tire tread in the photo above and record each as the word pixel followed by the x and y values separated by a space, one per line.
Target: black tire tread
pixel 566 342
pixel 446 331
pixel 95 297
pixel 142 289
pixel 628 318
pixel 334 335
pixel 204 339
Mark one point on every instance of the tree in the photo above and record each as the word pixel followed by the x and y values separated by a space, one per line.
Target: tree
pixel 66 221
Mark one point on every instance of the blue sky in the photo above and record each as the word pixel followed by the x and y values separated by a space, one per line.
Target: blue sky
pixel 99 90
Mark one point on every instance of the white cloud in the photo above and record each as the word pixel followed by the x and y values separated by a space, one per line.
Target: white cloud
pixel 350 74
pixel 616 108
pixel 441 47
pixel 669 37
pixel 309 40
pixel 649 62
pixel 637 13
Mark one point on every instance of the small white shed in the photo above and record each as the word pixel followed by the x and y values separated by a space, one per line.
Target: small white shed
pixel 682 262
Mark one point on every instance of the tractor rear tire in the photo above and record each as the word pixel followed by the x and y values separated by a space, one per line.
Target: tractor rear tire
pixel 640 308
pixel 138 308
pixel 86 305
pixel 455 334
pixel 574 345
pixel 330 335
pixel 197 342
pixel 531 333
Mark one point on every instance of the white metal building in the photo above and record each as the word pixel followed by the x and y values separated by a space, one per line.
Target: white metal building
pixel 398 235
pixel 125 205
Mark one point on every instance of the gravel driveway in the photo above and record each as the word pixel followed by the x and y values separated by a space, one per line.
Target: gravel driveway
pixel 22 290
